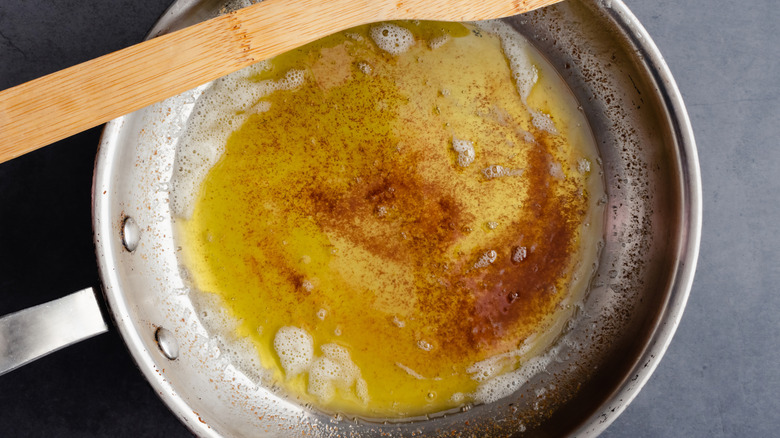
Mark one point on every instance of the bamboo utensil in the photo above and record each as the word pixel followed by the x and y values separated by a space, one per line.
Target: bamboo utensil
pixel 72 100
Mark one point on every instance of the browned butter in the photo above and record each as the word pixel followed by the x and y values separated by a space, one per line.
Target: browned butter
pixel 404 214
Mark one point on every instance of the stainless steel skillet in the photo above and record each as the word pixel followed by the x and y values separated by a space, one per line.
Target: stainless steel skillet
pixel 652 238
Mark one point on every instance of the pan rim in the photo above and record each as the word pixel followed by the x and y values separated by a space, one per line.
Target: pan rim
pixel 688 248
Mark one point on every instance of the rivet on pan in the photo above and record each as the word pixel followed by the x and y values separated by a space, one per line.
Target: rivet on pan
pixel 131 234
pixel 167 343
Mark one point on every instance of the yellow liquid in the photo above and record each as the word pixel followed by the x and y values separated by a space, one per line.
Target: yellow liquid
pixel 346 212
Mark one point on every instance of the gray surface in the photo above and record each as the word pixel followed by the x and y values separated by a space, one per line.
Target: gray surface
pixel 721 375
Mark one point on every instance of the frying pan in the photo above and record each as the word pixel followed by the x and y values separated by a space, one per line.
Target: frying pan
pixel 637 295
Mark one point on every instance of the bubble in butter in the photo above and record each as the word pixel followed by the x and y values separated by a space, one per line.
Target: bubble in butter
pixel 397 215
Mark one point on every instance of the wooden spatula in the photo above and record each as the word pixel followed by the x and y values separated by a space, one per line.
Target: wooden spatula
pixel 64 103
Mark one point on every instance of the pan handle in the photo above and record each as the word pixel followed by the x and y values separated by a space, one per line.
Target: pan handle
pixel 35 332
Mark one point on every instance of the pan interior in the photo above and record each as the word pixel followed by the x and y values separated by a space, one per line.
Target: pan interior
pixel 352 196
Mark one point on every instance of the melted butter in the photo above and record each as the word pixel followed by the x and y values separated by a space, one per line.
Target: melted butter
pixel 345 210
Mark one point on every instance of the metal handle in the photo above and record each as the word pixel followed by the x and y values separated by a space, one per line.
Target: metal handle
pixel 35 332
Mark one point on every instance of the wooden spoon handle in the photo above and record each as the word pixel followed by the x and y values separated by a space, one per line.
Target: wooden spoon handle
pixel 64 103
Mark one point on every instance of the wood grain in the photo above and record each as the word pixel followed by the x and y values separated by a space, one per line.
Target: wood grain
pixel 64 103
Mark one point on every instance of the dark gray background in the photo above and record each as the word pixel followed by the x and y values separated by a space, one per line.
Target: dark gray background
pixel 721 375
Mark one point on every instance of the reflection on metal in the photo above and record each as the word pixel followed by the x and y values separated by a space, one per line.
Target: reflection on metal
pixel 167 343
pixel 40 330
pixel 131 234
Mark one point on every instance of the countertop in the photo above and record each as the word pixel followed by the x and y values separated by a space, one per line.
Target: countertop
pixel 720 376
